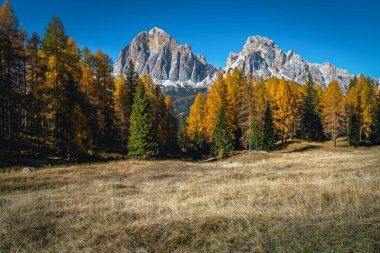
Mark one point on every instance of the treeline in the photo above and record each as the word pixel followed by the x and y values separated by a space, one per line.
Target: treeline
pixel 56 96
pixel 241 113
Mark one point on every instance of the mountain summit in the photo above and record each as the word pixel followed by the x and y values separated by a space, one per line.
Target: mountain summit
pixel 261 57
pixel 168 62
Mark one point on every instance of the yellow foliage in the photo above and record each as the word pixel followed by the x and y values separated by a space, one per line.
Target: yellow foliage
pixel 283 110
pixel 196 119
pixel 333 110
pixel 216 99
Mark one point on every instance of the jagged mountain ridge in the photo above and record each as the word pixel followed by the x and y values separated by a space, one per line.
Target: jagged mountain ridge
pixel 175 66
pixel 261 57
pixel 169 63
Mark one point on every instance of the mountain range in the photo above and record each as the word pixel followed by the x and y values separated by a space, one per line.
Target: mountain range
pixel 176 68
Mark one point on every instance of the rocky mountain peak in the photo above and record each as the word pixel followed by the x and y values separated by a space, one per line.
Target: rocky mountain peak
pixel 261 57
pixel 168 62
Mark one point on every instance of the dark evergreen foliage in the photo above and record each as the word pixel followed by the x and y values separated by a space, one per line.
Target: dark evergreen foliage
pixel 311 122
pixel 142 143
pixel 268 139
pixel 222 139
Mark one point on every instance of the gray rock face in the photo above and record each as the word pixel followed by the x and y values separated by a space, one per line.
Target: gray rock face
pixel 261 57
pixel 169 63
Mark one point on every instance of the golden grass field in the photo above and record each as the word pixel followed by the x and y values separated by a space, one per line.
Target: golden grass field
pixel 307 197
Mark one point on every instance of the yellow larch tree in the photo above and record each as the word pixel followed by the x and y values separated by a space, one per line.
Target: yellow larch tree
pixel 333 110
pixel 216 99
pixel 120 107
pixel 196 120
pixel 296 101
pixel 282 113
pixel 368 109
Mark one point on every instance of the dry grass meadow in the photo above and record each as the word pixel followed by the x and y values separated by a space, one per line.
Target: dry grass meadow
pixel 305 198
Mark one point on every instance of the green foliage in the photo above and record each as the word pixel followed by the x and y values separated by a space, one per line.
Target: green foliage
pixel 268 129
pixel 222 140
pixel 354 130
pixel 311 122
pixel 142 143
pixel 256 137
pixel 181 134
pixel 200 146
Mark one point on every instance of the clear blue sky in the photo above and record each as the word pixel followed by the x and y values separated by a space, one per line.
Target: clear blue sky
pixel 343 32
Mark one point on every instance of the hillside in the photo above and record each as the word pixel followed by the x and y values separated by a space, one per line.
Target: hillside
pixel 307 197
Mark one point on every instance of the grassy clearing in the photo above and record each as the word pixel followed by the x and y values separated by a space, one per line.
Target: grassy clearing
pixel 307 197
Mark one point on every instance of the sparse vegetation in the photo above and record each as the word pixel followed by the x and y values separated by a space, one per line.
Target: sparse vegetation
pixel 307 197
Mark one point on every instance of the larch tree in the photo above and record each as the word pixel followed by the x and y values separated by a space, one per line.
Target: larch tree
pixel 120 105
pixel 196 127
pixel 283 113
pixel 53 51
pixel 104 88
pixel 333 111
pixel 296 100
pixel 9 73
pixel 368 110
pixel 216 99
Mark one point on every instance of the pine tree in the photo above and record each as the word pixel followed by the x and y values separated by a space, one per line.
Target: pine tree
pixel 200 147
pixel 256 137
pixel 222 142
pixel 311 123
pixel 352 115
pixel 142 143
pixel 157 102
pixel 181 134
pixel 169 126
pixel 131 80
pixel 268 136
pixel 353 132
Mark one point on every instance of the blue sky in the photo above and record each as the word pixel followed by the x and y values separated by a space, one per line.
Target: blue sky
pixel 345 33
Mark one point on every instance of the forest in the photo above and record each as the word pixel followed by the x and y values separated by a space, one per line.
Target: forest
pixel 58 98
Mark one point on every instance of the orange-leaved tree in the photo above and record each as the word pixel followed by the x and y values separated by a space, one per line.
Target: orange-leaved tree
pixel 333 111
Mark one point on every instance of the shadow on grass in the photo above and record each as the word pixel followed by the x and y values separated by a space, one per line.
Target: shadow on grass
pixel 37 160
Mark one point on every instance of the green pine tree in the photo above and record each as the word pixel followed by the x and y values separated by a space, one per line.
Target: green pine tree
pixel 311 123
pixel 199 147
pixel 181 134
pixel 268 137
pixel 222 139
pixel 142 143
pixel 256 137
pixel 353 130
